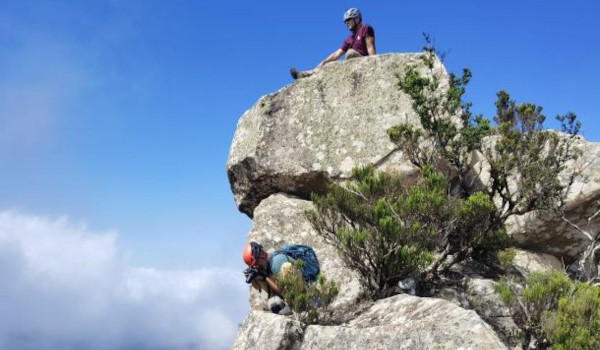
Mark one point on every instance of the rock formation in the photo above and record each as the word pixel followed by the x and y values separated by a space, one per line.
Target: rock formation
pixel 317 129
pixel 400 322
pixel 313 132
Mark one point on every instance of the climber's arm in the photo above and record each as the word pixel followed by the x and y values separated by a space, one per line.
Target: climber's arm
pixel 334 56
pixel 268 284
pixel 273 286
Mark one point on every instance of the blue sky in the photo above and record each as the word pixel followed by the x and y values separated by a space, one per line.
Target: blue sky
pixel 118 115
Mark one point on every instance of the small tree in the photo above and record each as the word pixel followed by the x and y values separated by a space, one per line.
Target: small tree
pixel 361 219
pixel 525 162
pixel 388 231
pixel 554 311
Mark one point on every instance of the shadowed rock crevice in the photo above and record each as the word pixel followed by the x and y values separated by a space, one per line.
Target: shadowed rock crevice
pixel 243 179
pixel 551 235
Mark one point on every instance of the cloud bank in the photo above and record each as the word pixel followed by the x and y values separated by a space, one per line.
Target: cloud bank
pixel 64 287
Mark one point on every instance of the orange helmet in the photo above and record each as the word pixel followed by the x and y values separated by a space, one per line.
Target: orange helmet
pixel 251 253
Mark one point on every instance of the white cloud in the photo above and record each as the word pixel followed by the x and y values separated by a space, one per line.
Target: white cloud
pixel 64 287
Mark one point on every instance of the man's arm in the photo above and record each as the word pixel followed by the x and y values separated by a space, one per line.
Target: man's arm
pixel 267 284
pixel 370 41
pixel 284 271
pixel 334 56
pixel 273 286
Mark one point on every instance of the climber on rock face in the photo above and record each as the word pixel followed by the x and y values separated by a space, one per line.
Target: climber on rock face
pixel 265 268
pixel 262 272
pixel 358 44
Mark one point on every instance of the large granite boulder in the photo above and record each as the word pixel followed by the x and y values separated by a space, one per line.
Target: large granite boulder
pixel 407 322
pixel 527 262
pixel 553 235
pixel 547 233
pixel 280 220
pixel 317 129
pixel 399 322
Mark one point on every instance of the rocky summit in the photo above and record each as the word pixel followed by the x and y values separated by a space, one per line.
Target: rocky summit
pixel 313 132
pixel 317 129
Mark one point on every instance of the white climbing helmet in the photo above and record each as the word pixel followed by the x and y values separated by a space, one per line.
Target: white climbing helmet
pixel 352 12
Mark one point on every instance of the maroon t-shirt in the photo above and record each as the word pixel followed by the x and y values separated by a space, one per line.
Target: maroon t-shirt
pixel 357 41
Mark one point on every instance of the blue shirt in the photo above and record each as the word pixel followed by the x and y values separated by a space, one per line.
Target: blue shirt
pixel 276 260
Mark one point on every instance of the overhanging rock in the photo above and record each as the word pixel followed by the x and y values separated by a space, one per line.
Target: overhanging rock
pixel 317 129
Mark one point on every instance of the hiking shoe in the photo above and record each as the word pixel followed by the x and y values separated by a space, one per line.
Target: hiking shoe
pixel 276 304
pixel 294 73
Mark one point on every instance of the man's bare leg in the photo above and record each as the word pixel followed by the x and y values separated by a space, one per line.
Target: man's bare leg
pixel 351 53
pixel 296 74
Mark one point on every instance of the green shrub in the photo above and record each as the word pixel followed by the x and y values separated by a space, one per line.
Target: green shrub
pixel 506 257
pixel 310 301
pixel 555 310
pixel 384 230
pixel 544 289
pixel 575 323
pixel 506 294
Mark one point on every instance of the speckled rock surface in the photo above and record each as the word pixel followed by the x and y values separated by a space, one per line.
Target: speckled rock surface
pixel 400 322
pixel 267 331
pixel 317 129
pixel 527 262
pixel 280 220
pixel 486 302
pixel 407 322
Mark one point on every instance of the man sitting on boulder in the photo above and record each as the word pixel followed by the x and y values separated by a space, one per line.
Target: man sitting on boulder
pixel 265 268
pixel 358 44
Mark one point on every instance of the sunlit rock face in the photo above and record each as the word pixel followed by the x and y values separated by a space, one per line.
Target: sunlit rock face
pixel 312 133
pixel 279 220
pixel 317 129
pixel 400 322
